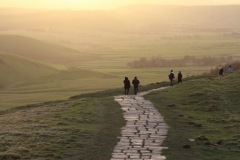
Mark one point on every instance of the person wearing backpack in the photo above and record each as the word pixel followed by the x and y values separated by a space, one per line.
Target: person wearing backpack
pixel 179 77
pixel 135 83
pixel 171 77
pixel 127 85
pixel 221 72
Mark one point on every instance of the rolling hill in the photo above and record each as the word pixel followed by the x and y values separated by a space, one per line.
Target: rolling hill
pixel 40 51
pixel 15 69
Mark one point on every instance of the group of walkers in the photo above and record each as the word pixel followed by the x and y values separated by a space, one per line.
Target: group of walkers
pixel 136 82
pixel 221 70
pixel 171 77
pixel 127 85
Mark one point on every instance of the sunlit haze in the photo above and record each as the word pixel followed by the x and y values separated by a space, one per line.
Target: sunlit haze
pixel 104 4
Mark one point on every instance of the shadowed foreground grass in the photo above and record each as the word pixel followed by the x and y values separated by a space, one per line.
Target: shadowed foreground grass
pixel 204 118
pixel 81 129
pixel 85 127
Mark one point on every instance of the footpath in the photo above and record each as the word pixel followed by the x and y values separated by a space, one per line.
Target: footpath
pixel 145 130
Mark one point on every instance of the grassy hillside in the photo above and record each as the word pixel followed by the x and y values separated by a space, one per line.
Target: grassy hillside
pixel 84 128
pixel 64 84
pixel 203 115
pixel 29 84
pixel 15 69
pixel 202 112
pixel 39 50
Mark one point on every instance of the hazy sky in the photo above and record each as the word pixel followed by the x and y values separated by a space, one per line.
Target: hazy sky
pixel 103 4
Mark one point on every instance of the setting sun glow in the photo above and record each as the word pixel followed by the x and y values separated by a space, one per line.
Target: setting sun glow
pixel 103 4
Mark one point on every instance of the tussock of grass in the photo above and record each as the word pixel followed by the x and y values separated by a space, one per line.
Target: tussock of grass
pixel 9 156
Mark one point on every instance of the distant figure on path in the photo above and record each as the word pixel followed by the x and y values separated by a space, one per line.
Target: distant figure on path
pixel 221 72
pixel 135 83
pixel 179 77
pixel 230 69
pixel 127 85
pixel 171 77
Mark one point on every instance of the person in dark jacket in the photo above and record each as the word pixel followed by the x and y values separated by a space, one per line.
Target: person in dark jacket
pixel 179 77
pixel 135 83
pixel 171 77
pixel 221 72
pixel 127 85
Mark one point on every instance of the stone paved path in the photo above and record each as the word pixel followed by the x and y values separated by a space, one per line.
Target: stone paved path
pixel 144 133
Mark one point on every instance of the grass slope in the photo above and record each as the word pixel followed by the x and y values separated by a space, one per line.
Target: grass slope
pixel 34 85
pixel 15 69
pixel 205 110
pixel 39 50
pixel 85 127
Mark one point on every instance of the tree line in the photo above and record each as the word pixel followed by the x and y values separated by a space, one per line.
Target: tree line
pixel 186 61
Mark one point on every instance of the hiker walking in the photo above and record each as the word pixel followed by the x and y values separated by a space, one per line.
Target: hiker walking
pixel 127 85
pixel 135 83
pixel 221 72
pixel 179 77
pixel 171 77
pixel 229 69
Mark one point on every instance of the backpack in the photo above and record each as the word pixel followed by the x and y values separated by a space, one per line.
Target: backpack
pixel 171 76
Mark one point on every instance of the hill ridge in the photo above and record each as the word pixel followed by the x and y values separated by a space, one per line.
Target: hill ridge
pixel 38 50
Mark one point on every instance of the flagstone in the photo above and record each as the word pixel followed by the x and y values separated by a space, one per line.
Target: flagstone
pixel 144 133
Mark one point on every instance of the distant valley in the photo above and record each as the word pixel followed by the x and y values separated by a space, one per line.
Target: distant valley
pixel 51 55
